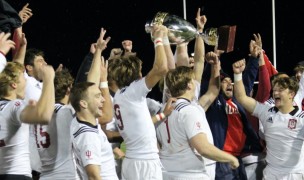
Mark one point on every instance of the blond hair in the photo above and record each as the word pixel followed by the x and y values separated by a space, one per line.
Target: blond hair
pixel 10 75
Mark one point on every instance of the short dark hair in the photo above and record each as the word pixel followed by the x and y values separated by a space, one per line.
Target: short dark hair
pixel 30 56
pixel 78 92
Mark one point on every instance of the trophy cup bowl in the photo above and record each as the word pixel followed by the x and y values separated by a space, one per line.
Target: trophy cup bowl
pixel 180 30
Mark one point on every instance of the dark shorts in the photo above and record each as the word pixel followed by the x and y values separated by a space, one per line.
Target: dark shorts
pixel 14 177
pixel 224 172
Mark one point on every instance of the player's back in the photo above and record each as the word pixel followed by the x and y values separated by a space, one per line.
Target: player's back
pixel 55 146
pixel 134 121
pixel 176 153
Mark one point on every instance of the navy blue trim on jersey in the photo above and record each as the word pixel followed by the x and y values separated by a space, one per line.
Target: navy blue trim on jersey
pixel 293 112
pixel 301 114
pixel 3 103
pixel 84 129
pixel 58 106
pixel 181 105
pixel 86 123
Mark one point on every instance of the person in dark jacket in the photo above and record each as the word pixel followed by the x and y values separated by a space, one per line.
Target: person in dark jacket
pixel 228 122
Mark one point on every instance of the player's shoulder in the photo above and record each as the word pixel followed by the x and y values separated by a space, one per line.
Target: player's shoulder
pixel 300 114
pixel 78 129
pixel 182 106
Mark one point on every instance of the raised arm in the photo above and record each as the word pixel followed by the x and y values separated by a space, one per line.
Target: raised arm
pixel 264 86
pixel 181 56
pixel 168 50
pixel 199 47
pixel 239 90
pixel 98 74
pixel 160 67
pixel 214 83
pixel 85 66
pixel 251 71
pixel 42 111
pixel 20 53
pixel 25 14
pixel 107 105
pixel 94 73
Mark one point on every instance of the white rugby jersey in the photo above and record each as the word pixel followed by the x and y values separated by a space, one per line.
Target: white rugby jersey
pixel 54 146
pixel 14 139
pixel 2 62
pixel 33 90
pixel 91 146
pixel 284 135
pixel 186 120
pixel 300 93
pixel 134 121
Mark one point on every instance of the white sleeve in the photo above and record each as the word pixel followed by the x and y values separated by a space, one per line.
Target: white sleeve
pixel 197 89
pixel 2 62
pixel 300 93
pixel 192 122
pixel 260 111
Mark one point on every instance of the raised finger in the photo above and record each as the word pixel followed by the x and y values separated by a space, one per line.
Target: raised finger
pixel 107 40
pixel 198 14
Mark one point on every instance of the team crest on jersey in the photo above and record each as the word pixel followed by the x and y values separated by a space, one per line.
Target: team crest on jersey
pixel 292 123
pixel 88 154
pixel 198 125
pixel 17 103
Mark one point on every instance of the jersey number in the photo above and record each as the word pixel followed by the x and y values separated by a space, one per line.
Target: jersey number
pixel 42 137
pixel 118 117
pixel 168 131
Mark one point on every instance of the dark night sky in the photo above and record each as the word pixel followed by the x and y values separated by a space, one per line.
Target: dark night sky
pixel 65 29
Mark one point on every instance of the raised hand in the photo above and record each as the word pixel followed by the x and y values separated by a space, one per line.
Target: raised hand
pixel 212 58
pixel 93 48
pixel 127 45
pixel 5 43
pixel 115 52
pixel 169 107
pixel 239 66
pixel 254 49
pixel 25 13
pixel 258 40
pixel 157 31
pixel 103 70
pixel 101 43
pixel 200 20
pixel 46 72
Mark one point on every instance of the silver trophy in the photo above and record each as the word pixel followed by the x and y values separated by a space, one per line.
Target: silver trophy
pixel 181 30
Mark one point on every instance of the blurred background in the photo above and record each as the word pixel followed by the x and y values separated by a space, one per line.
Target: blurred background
pixel 65 29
